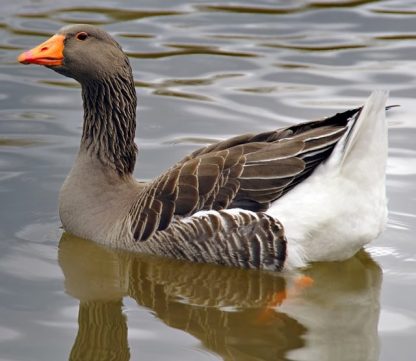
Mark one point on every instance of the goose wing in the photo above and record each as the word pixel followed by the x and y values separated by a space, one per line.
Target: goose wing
pixel 247 172
pixel 237 238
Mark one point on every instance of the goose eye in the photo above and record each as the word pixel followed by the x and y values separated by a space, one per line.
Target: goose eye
pixel 82 36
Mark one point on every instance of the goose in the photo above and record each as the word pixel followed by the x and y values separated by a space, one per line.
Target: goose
pixel 276 200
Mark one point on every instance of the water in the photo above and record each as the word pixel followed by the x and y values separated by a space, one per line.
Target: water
pixel 204 71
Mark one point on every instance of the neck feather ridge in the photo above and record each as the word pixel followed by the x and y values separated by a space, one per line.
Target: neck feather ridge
pixel 110 122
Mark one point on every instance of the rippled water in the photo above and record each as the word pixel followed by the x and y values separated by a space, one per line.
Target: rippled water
pixel 204 71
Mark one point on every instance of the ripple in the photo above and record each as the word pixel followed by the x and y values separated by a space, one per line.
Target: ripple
pixel 9 47
pixel 248 9
pixel 209 80
pixel 28 267
pixel 190 50
pixel 260 89
pixel 29 32
pixel 7 334
pixel 231 36
pixel 340 4
pixel 142 334
pixel 292 66
pixel 25 115
pixel 283 10
pixel 8 142
pixel 42 232
pixel 163 87
pixel 395 321
pixel 111 14
pixel 192 140
pixel 382 251
pixel 394 12
pixel 173 93
pixel 397 224
pixel 60 83
pixel 318 48
pixel 8 175
pixel 136 36
pixel 396 37
pixel 401 166
pixel 76 17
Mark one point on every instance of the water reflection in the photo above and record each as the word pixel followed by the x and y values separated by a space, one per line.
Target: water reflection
pixel 233 312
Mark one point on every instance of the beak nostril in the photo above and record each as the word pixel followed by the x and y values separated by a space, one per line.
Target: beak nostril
pixel 49 53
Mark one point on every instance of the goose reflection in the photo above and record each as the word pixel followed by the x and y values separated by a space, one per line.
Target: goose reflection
pixel 233 312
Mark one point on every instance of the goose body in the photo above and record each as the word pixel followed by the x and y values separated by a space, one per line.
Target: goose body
pixel 275 200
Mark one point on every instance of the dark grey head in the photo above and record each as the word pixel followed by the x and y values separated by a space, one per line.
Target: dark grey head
pixel 83 52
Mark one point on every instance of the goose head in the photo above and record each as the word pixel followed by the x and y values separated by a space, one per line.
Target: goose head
pixel 82 52
pixel 94 59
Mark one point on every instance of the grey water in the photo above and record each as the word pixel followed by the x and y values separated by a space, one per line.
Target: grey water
pixel 204 70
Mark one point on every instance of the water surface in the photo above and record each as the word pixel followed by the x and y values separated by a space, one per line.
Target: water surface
pixel 204 70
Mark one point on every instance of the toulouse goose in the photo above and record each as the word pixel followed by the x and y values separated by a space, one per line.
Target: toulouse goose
pixel 275 200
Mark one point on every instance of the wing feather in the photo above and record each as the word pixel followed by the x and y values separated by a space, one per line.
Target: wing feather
pixel 241 239
pixel 248 171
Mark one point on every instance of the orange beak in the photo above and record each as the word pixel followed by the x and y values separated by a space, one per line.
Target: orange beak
pixel 49 53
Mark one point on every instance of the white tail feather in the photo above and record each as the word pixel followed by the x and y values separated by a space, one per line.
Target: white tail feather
pixel 371 121
pixel 342 205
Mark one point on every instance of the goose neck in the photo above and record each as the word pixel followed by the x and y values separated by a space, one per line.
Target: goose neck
pixel 110 122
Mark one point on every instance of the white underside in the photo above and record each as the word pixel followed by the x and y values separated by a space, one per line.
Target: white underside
pixel 342 205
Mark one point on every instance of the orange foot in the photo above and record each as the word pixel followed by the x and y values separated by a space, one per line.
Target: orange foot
pixel 277 298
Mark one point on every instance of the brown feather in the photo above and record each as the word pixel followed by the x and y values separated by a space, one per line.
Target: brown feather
pixel 248 171
pixel 287 167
